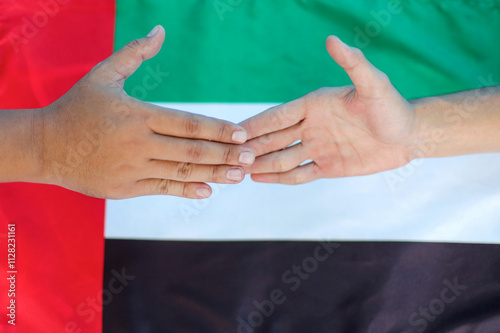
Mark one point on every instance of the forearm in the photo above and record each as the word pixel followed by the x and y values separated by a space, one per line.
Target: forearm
pixel 457 124
pixel 20 157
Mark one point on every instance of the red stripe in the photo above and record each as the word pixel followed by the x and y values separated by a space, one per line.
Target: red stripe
pixel 45 47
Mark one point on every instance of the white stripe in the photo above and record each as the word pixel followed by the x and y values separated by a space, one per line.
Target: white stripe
pixel 442 200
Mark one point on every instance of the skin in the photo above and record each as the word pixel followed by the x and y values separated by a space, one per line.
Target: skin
pixel 99 141
pixel 367 127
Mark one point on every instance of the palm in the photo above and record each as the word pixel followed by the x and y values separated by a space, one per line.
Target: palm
pixel 348 131
pixel 350 136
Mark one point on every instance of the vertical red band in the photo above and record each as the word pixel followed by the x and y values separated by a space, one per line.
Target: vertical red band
pixel 45 47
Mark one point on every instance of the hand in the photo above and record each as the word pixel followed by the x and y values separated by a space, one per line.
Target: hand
pixel 348 131
pixel 99 141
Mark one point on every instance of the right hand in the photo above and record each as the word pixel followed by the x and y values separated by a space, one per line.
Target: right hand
pixel 347 131
pixel 99 141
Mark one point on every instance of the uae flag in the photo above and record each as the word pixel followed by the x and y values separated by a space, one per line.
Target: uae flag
pixel 415 249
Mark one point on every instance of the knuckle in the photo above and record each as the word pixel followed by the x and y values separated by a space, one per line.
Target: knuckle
pixel 357 53
pixel 223 131
pixel 264 140
pixel 214 174
pixel 192 125
pixel 226 158
pixel 277 117
pixel 356 60
pixel 163 186
pixel 184 171
pixel 134 45
pixel 195 151
pixel 185 191
pixel 277 164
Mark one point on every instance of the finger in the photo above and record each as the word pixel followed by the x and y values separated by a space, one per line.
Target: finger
pixel 189 125
pixel 367 79
pixel 275 119
pixel 124 62
pixel 199 151
pixel 274 141
pixel 172 187
pixel 188 172
pixel 279 161
pixel 300 175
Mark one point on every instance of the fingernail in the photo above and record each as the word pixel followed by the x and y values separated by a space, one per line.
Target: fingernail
pixel 154 31
pixel 240 136
pixel 246 157
pixel 234 174
pixel 202 192
pixel 341 41
pixel 345 45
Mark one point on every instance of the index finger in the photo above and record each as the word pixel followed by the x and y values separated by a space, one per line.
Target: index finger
pixel 275 118
pixel 193 126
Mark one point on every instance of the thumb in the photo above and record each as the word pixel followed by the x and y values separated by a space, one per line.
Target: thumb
pixel 367 79
pixel 120 65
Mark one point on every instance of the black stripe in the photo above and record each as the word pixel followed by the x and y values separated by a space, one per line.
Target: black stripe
pixel 351 287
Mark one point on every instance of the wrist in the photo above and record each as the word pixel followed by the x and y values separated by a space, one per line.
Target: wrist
pixel 428 131
pixel 457 124
pixel 35 173
pixel 44 136
pixel 19 150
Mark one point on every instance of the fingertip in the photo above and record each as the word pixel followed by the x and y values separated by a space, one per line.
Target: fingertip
pixel 155 39
pixel 157 30
pixel 349 58
pixel 255 177
pixel 203 192
pixel 334 45
pixel 235 175
pixel 161 32
pixel 153 32
pixel 247 157
pixel 334 40
pixel 331 39
pixel 246 126
pixel 240 135
pixel 260 178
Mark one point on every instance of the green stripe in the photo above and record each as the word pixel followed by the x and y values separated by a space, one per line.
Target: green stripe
pixel 273 51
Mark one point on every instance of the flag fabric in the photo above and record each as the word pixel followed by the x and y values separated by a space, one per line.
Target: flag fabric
pixel 415 249
pixel 46 47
